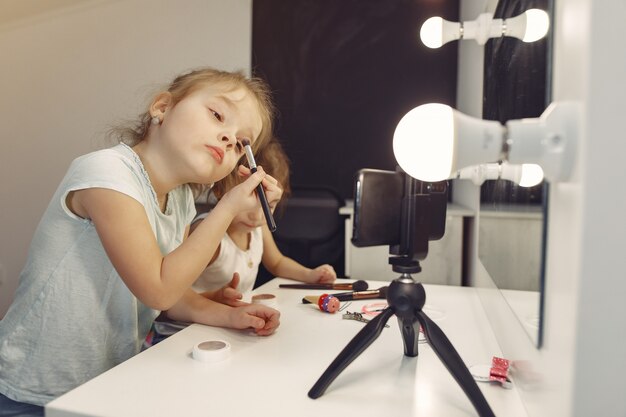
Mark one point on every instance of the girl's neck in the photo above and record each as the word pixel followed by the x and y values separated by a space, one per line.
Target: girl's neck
pixel 157 171
pixel 240 238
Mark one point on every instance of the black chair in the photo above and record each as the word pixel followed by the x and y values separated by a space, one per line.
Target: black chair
pixel 310 229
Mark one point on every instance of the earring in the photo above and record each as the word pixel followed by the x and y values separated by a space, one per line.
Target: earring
pixel 155 120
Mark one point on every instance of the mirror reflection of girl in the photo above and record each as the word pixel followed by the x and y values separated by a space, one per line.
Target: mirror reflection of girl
pixel 112 248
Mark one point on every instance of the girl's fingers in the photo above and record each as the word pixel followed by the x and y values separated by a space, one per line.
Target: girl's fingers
pixel 270 180
pixel 234 283
pixel 254 180
pixel 243 171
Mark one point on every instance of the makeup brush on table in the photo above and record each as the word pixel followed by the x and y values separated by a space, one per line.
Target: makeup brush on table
pixel 363 295
pixel 354 295
pixel 359 285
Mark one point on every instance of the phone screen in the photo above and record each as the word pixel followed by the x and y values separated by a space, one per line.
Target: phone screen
pixel 377 207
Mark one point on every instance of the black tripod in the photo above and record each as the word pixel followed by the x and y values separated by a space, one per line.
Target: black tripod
pixel 406 298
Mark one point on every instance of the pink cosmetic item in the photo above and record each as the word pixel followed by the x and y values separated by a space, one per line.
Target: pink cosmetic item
pixel 325 302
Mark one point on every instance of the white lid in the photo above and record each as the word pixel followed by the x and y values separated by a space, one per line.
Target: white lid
pixel 211 351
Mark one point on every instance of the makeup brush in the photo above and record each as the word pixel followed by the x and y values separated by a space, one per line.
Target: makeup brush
pixel 363 295
pixel 359 285
pixel 355 295
pixel 271 224
pixel 325 302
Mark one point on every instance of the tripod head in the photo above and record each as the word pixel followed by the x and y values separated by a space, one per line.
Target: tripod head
pixel 406 296
pixel 405 265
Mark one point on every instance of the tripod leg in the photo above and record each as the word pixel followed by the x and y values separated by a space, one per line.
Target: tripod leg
pixel 455 365
pixel 410 329
pixel 353 349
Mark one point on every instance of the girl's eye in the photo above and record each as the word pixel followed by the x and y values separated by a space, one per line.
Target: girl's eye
pixel 217 115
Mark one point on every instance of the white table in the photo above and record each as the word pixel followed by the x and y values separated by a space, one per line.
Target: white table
pixel 270 376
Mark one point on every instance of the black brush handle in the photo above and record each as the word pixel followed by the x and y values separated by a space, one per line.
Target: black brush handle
pixel 265 205
pixel 271 224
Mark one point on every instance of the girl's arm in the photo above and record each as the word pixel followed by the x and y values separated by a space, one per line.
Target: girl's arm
pixel 190 230
pixel 193 307
pixel 281 266
pixel 123 227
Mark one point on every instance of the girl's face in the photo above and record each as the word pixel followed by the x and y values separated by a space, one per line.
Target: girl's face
pixel 203 133
pixel 246 221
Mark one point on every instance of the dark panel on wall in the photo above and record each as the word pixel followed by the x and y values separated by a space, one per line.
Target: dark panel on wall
pixel 516 85
pixel 343 73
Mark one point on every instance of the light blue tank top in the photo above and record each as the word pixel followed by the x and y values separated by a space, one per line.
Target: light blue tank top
pixel 73 317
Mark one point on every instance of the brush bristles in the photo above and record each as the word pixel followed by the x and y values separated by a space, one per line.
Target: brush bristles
pixel 359 285
pixel 245 142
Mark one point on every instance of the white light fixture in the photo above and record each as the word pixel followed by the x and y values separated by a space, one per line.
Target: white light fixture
pixel 524 175
pixel 530 26
pixel 433 141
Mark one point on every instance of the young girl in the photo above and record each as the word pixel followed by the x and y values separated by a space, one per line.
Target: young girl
pixel 248 240
pixel 112 250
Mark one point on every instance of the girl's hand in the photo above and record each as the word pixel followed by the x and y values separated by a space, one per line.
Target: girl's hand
pixel 323 274
pixel 243 196
pixel 228 294
pixel 273 190
pixel 263 319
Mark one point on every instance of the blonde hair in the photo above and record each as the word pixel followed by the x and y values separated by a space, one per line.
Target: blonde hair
pixel 133 132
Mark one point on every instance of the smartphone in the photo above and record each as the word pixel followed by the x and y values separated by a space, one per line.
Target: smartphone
pixel 377 207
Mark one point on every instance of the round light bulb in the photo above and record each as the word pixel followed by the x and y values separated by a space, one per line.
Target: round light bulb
pixel 524 175
pixel 529 26
pixel 537 25
pixel 437 31
pixel 532 174
pixel 423 142
pixel 433 140
pixel 431 32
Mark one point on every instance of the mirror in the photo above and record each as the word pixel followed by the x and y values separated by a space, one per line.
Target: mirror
pixel 511 234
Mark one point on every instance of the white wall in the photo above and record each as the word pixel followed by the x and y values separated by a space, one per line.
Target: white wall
pixel 68 74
